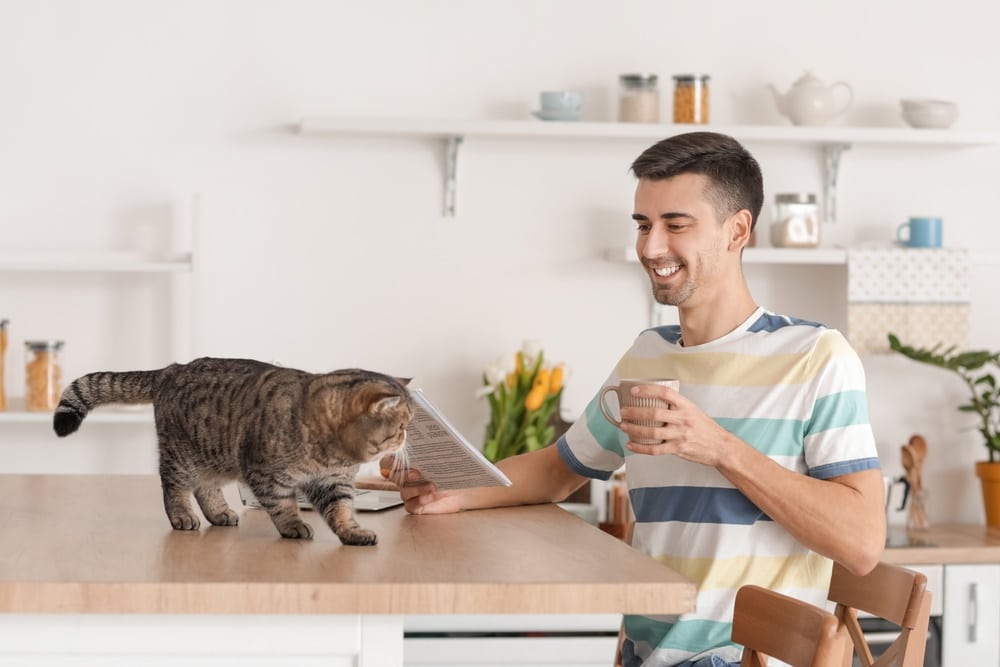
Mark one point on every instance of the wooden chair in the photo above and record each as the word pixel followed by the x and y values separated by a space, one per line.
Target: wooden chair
pixel 768 623
pixel 890 592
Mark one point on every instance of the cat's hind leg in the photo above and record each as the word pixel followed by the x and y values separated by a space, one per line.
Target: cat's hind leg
pixel 282 506
pixel 333 498
pixel 214 506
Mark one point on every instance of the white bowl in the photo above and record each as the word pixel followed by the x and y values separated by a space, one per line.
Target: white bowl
pixel 937 114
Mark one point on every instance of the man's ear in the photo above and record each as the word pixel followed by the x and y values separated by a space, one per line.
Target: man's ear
pixel 739 229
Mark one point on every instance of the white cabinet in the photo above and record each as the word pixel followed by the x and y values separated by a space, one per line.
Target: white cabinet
pixel 971 622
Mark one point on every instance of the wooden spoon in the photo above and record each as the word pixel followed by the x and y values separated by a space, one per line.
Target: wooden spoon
pixel 919 447
pixel 910 466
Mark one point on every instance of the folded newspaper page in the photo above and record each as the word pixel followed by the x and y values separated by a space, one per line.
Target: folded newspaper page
pixel 442 454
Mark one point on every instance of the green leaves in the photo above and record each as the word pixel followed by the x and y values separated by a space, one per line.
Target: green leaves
pixel 976 368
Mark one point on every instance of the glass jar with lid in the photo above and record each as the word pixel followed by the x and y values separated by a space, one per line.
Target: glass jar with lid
pixel 691 98
pixel 3 353
pixel 639 98
pixel 42 374
pixel 796 221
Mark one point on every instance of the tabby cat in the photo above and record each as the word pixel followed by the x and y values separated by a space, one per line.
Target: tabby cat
pixel 282 431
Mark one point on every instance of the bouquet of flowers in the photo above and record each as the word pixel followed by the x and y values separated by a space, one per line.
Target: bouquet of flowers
pixel 523 394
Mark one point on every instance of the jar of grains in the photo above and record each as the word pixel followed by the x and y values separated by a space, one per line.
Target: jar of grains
pixel 639 98
pixel 42 374
pixel 691 98
pixel 3 353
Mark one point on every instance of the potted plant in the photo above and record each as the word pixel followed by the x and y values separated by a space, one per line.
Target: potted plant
pixel 979 370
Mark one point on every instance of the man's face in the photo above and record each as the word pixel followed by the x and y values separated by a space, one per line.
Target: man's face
pixel 680 241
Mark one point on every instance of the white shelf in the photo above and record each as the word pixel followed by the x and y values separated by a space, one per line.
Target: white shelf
pixel 813 256
pixel 16 414
pixel 833 141
pixel 94 261
pixel 441 128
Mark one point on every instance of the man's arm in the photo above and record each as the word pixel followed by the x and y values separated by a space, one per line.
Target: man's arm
pixel 842 518
pixel 536 477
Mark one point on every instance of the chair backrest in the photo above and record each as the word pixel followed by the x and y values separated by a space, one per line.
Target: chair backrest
pixel 768 623
pixel 890 592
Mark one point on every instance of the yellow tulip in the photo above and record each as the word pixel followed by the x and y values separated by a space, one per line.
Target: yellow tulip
pixel 556 380
pixel 511 380
pixel 542 378
pixel 535 398
pixel 518 363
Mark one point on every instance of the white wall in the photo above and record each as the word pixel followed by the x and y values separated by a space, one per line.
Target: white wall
pixel 323 253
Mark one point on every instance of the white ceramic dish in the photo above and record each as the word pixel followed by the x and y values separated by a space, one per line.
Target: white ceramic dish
pixel 937 114
pixel 558 114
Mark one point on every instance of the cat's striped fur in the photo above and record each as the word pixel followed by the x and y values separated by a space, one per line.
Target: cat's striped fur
pixel 281 430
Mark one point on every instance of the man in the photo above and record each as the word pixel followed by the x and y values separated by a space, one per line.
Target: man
pixel 767 467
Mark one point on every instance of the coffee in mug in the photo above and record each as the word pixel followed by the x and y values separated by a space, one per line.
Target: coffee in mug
pixel 625 399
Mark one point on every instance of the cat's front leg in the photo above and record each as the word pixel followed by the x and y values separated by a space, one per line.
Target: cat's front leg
pixel 335 502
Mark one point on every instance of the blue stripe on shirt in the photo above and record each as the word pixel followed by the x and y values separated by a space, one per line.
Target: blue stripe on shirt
pixel 844 468
pixel 694 504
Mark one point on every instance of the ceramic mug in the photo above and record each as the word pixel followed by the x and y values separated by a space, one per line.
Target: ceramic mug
pixel 625 399
pixel 561 100
pixel 921 232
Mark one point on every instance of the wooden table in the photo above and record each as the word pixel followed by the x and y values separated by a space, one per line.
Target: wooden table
pixel 101 545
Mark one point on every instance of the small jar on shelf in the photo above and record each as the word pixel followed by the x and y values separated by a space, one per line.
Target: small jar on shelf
pixel 639 98
pixel 42 374
pixel 3 354
pixel 691 98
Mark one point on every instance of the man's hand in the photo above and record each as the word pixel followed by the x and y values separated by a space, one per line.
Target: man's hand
pixel 686 431
pixel 419 496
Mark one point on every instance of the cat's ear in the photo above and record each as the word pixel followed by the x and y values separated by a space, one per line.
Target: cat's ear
pixel 385 403
pixel 404 381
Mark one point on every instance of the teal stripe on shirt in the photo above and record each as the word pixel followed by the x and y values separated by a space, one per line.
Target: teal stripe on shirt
pixel 694 635
pixel 847 408
pixel 774 437
pixel 607 435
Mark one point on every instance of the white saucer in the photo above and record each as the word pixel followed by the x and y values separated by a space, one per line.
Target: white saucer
pixel 558 114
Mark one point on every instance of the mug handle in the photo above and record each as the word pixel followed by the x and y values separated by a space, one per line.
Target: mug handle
pixel 604 408
pixel 850 96
pixel 906 491
pixel 899 233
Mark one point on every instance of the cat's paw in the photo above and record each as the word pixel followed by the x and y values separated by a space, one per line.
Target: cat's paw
pixel 225 518
pixel 361 537
pixel 185 521
pixel 296 530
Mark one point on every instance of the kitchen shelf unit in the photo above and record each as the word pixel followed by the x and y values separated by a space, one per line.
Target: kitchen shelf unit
pixel 83 261
pixel 833 141
pixel 790 256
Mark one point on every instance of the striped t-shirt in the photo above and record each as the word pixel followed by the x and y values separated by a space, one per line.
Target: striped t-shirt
pixel 792 389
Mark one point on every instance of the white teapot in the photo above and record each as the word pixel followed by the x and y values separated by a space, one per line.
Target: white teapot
pixel 811 102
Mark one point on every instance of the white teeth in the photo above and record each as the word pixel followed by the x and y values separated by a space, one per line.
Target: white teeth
pixel 666 271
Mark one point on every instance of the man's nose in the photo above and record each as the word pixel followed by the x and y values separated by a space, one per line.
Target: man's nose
pixel 655 243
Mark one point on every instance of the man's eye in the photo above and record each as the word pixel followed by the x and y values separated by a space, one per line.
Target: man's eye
pixel 676 228
pixel 643 226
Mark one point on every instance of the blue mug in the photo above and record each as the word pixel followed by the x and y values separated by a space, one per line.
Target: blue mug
pixel 920 233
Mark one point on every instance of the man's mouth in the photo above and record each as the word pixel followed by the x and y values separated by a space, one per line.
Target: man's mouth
pixel 665 271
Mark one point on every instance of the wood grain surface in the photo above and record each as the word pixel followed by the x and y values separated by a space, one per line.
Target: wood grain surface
pixel 102 544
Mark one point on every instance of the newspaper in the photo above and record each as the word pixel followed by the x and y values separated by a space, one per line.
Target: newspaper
pixel 442 454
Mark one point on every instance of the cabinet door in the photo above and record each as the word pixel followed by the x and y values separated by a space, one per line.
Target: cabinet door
pixel 971 632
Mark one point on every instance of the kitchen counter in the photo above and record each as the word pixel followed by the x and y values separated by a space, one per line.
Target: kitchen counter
pixel 943 544
pixel 83 547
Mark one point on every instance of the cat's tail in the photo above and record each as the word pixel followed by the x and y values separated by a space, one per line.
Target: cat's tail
pixel 89 391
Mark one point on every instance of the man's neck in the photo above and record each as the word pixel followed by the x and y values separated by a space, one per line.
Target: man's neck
pixel 709 321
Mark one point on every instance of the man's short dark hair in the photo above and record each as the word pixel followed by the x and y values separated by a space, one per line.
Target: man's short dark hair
pixel 735 180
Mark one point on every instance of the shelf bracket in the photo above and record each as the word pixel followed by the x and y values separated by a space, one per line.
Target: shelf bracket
pixel 451 175
pixel 832 153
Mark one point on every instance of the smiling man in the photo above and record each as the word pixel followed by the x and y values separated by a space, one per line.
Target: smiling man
pixel 766 469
